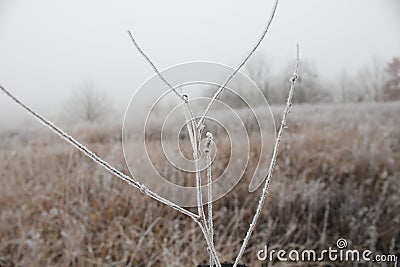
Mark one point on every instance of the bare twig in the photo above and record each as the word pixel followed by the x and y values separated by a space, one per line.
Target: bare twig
pixel 97 159
pixel 207 150
pixel 203 220
pixel 255 47
pixel 273 159
pixel 153 66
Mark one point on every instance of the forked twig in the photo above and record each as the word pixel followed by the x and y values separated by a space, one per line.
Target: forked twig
pixel 195 135
pixel 282 127
pixel 196 129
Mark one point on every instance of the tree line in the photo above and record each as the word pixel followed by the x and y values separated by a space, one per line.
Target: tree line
pixel 373 83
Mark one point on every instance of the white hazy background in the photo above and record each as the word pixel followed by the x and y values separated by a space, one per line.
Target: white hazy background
pixel 47 48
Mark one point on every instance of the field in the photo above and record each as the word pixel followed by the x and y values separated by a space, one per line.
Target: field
pixel 337 176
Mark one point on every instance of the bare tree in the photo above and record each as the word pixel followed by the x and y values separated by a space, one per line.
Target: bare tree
pixel 348 89
pixel 88 104
pixel 391 89
pixel 259 72
pixel 370 81
pixel 344 85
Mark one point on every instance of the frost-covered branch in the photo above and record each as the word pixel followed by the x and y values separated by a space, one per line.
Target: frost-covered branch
pixel 207 150
pixel 254 48
pixel 97 159
pixel 153 66
pixel 282 127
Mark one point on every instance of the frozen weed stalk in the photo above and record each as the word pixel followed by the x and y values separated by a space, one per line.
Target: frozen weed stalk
pixel 195 129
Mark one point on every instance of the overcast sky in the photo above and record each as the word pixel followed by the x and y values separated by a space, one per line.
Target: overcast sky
pixel 47 47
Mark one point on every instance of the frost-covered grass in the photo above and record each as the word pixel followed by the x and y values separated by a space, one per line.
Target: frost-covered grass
pixel 337 175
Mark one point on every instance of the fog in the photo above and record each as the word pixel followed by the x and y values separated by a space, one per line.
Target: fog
pixel 47 48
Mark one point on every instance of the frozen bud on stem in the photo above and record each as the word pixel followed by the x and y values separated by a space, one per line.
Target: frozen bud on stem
pixel 201 128
pixel 294 78
pixel 143 188
pixel 207 146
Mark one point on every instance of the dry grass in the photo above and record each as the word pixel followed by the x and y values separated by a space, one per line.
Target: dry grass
pixel 338 175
